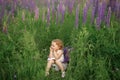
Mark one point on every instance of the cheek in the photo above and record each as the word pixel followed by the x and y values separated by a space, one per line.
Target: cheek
pixel 57 47
pixel 54 47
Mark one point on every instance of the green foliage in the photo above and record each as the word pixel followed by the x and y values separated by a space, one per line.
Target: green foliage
pixel 24 50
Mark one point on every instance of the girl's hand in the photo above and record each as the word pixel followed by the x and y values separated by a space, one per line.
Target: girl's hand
pixel 51 53
pixel 51 49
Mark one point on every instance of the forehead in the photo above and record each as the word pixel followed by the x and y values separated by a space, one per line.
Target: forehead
pixel 53 43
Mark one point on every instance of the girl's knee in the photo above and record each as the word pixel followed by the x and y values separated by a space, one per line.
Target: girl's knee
pixel 51 61
pixel 57 61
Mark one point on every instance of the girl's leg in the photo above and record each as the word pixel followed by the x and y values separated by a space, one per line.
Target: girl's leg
pixel 59 65
pixel 49 64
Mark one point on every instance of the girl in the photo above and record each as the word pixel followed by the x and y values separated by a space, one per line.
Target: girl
pixel 56 56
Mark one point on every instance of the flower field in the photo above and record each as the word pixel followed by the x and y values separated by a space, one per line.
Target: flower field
pixel 90 27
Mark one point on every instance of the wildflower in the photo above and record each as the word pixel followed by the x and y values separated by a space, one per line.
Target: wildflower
pixel 117 9
pixel 57 14
pixel 93 14
pixel 85 14
pixel 70 5
pixel 77 17
pixel 2 13
pixel 23 16
pixel 48 4
pixel 60 6
pixel 43 16
pixel 12 12
pixel 53 9
pixel 36 12
pixel 91 1
pixel 98 22
pixel 32 5
pixel 63 12
pixel 96 6
pixel 100 11
pixel 88 4
pixel 103 9
pixel 112 4
pixel 48 16
pixel 108 17
pixel 5 28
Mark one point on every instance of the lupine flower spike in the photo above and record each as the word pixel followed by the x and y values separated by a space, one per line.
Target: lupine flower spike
pixel 77 17
pixel 108 17
pixel 5 28
pixel 36 12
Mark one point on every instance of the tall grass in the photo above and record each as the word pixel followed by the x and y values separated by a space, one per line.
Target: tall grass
pixel 24 49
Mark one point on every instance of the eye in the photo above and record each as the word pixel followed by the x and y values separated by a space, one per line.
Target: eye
pixel 52 45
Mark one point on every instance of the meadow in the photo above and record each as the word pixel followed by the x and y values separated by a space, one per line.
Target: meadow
pixel 91 28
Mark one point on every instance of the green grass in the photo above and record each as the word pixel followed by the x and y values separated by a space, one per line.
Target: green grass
pixel 24 50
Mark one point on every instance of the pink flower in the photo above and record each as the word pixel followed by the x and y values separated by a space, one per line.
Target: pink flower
pixel 85 10
pixel 36 11
pixel 77 17
pixel 48 16
pixel 108 16
pixel 23 16
pixel 43 16
pixel 5 28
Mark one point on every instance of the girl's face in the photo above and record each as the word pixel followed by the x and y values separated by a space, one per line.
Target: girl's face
pixel 54 46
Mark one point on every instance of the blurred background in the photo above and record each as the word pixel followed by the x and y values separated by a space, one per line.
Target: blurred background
pixel 90 27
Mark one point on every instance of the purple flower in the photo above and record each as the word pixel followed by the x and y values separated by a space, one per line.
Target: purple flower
pixel 53 9
pixel 91 1
pixel 98 22
pixel 23 16
pixel 57 14
pixel 96 6
pixel 70 5
pixel 48 4
pixel 32 5
pixel 48 16
pixel 5 28
pixel 77 17
pixel 60 6
pixel 63 13
pixel 88 4
pixel 2 4
pixel 13 11
pixel 112 5
pixel 60 11
pixel 36 12
pixel 2 13
pixel 66 2
pixel 43 16
pixel 117 9
pixel 104 6
pixel 15 2
pixel 85 9
pixel 93 15
pixel 108 17
pixel 100 11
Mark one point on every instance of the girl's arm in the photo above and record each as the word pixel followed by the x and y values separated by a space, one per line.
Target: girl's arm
pixel 58 54
pixel 51 53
